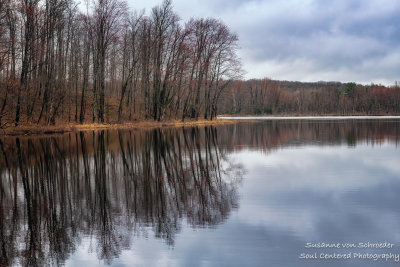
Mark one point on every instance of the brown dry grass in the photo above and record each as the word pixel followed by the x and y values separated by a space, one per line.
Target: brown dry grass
pixel 35 129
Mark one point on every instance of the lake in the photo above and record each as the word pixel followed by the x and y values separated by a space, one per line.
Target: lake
pixel 266 193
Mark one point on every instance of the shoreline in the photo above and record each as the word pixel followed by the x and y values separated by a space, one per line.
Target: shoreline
pixel 35 129
pixel 307 117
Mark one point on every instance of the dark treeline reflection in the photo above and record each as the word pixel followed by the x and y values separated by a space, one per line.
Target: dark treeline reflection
pixel 114 186
pixel 109 186
pixel 268 135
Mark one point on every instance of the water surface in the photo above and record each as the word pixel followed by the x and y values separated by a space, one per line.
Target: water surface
pixel 249 194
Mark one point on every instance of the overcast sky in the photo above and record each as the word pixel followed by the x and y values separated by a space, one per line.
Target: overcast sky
pixel 307 40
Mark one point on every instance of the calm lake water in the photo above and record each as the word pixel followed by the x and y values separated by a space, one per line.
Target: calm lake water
pixel 249 194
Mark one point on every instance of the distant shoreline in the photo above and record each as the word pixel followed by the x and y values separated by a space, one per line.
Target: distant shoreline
pixel 319 117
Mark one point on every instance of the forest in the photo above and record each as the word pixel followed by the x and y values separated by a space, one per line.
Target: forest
pixel 266 96
pixel 102 62
pixel 99 61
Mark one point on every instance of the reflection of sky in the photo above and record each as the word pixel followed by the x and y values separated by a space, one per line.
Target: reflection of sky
pixel 287 198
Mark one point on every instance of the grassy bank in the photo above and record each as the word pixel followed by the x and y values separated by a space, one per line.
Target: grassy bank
pixel 35 129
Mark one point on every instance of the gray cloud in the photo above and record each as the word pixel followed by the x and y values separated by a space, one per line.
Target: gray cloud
pixel 345 40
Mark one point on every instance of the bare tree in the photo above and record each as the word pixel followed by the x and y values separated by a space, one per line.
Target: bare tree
pixel 29 11
pixel 107 20
pixel 130 57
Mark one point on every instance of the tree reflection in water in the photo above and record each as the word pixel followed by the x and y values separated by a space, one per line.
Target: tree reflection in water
pixel 109 186
pixel 112 186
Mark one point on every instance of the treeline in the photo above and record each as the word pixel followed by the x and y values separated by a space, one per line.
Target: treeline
pixel 267 96
pixel 296 85
pixel 109 63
